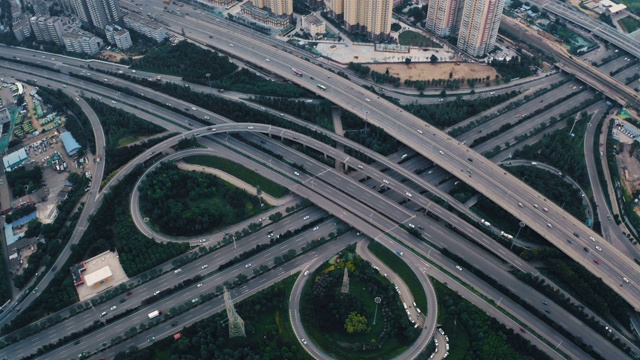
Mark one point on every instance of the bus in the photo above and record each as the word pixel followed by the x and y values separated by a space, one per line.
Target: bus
pixel 155 314
pixel 324 88
pixel 298 72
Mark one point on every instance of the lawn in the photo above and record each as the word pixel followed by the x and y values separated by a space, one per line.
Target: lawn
pixel 241 172
pixel 401 268
pixel 629 23
pixel 412 38
pixel 632 5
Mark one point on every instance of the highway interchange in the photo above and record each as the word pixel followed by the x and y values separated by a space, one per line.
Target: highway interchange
pixel 399 213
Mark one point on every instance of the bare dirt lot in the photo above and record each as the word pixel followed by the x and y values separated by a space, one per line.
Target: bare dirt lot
pixel 435 71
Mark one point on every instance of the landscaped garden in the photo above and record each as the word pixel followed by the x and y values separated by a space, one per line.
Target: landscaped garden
pixel 349 325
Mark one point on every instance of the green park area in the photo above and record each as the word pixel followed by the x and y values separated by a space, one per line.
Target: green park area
pixel 189 203
pixel 413 38
pixel 629 23
pixel 349 325
pixel 240 172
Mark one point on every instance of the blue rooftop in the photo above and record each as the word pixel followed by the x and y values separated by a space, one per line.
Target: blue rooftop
pixel 25 219
pixel 70 144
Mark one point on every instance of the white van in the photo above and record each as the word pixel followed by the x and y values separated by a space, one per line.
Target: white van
pixel 405 306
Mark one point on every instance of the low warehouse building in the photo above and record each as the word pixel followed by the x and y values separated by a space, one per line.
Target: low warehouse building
pixel 71 146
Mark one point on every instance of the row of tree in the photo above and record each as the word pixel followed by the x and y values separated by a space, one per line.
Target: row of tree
pixel 450 113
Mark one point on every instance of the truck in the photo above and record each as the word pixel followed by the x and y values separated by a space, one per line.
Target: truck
pixel 399 252
pixel 297 72
pixel 485 223
pixel 154 314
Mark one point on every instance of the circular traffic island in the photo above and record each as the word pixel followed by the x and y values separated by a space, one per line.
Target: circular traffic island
pixel 354 316
pixel 190 203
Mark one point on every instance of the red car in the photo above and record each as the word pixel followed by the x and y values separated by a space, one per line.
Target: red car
pixel 130 293
pixel 596 261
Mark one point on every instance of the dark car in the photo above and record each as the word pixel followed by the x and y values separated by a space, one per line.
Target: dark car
pixel 569 241
pixel 130 293
pixel 77 342
pixel 596 261
pixel 585 249
pixel 576 234
pixel 175 323
pixel 123 300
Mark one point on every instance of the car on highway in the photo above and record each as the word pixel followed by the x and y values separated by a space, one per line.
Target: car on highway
pixel 625 279
pixel 267 60
pixel 545 302
pixel 248 265
pixel 304 341
pixel 369 100
pixel 408 194
pixel 596 261
pixel 592 238
pixel 177 271
pixel 598 248
pixel 250 127
pixel 412 226
pixel 296 173
pixel 569 241
pixel 231 45
pixel 419 131
pixel 306 217
pixel 151 339
pixel 549 225
pixel 199 285
pixel 195 300
pixel 205 266
pixel 130 293
pixel 173 324
pixel 156 293
pixel 104 313
pixel 441 152
pixel 113 307
pixel 207 118
pixel 459 267
pixel 315 228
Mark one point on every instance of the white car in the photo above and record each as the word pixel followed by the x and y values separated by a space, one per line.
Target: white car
pixel 304 341
pixel 296 173
pixel 113 308
pixel 267 60
pixel 625 279
pixel 441 152
pixel 441 331
pixel 156 293
pixel 315 228
pixel 408 194
pixel 306 217
pixel 458 267
pixel 248 265
pixel 231 45
pixel 199 285
pixel 419 131
pixel 598 248
pixel 207 118
pixel 195 300
pixel 369 100
pixel 592 238
pixel 385 181
pixel 250 128
pixel 205 266
pixel 412 226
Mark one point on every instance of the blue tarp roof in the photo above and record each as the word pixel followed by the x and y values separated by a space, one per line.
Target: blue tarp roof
pixel 8 234
pixel 25 219
pixel 70 144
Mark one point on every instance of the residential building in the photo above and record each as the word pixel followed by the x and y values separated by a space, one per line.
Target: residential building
pixel 277 7
pixel 265 16
pixel 118 36
pixel 97 13
pixel 145 27
pixel 479 26
pixel 76 40
pixel 371 17
pixel 443 17
pixel 21 29
pixel 313 25
pixel 47 29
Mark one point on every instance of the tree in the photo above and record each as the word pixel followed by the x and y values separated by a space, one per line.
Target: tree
pixel 407 61
pixel 433 59
pixel 515 4
pixel 356 323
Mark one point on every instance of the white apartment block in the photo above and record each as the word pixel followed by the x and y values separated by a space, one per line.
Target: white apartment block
pixel 21 29
pixel 47 29
pixel 76 40
pixel 479 26
pixel 145 27
pixel 118 36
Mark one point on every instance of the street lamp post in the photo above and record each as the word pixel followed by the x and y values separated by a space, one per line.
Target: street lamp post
pixel 377 300
pixel 521 225
pixel 209 81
